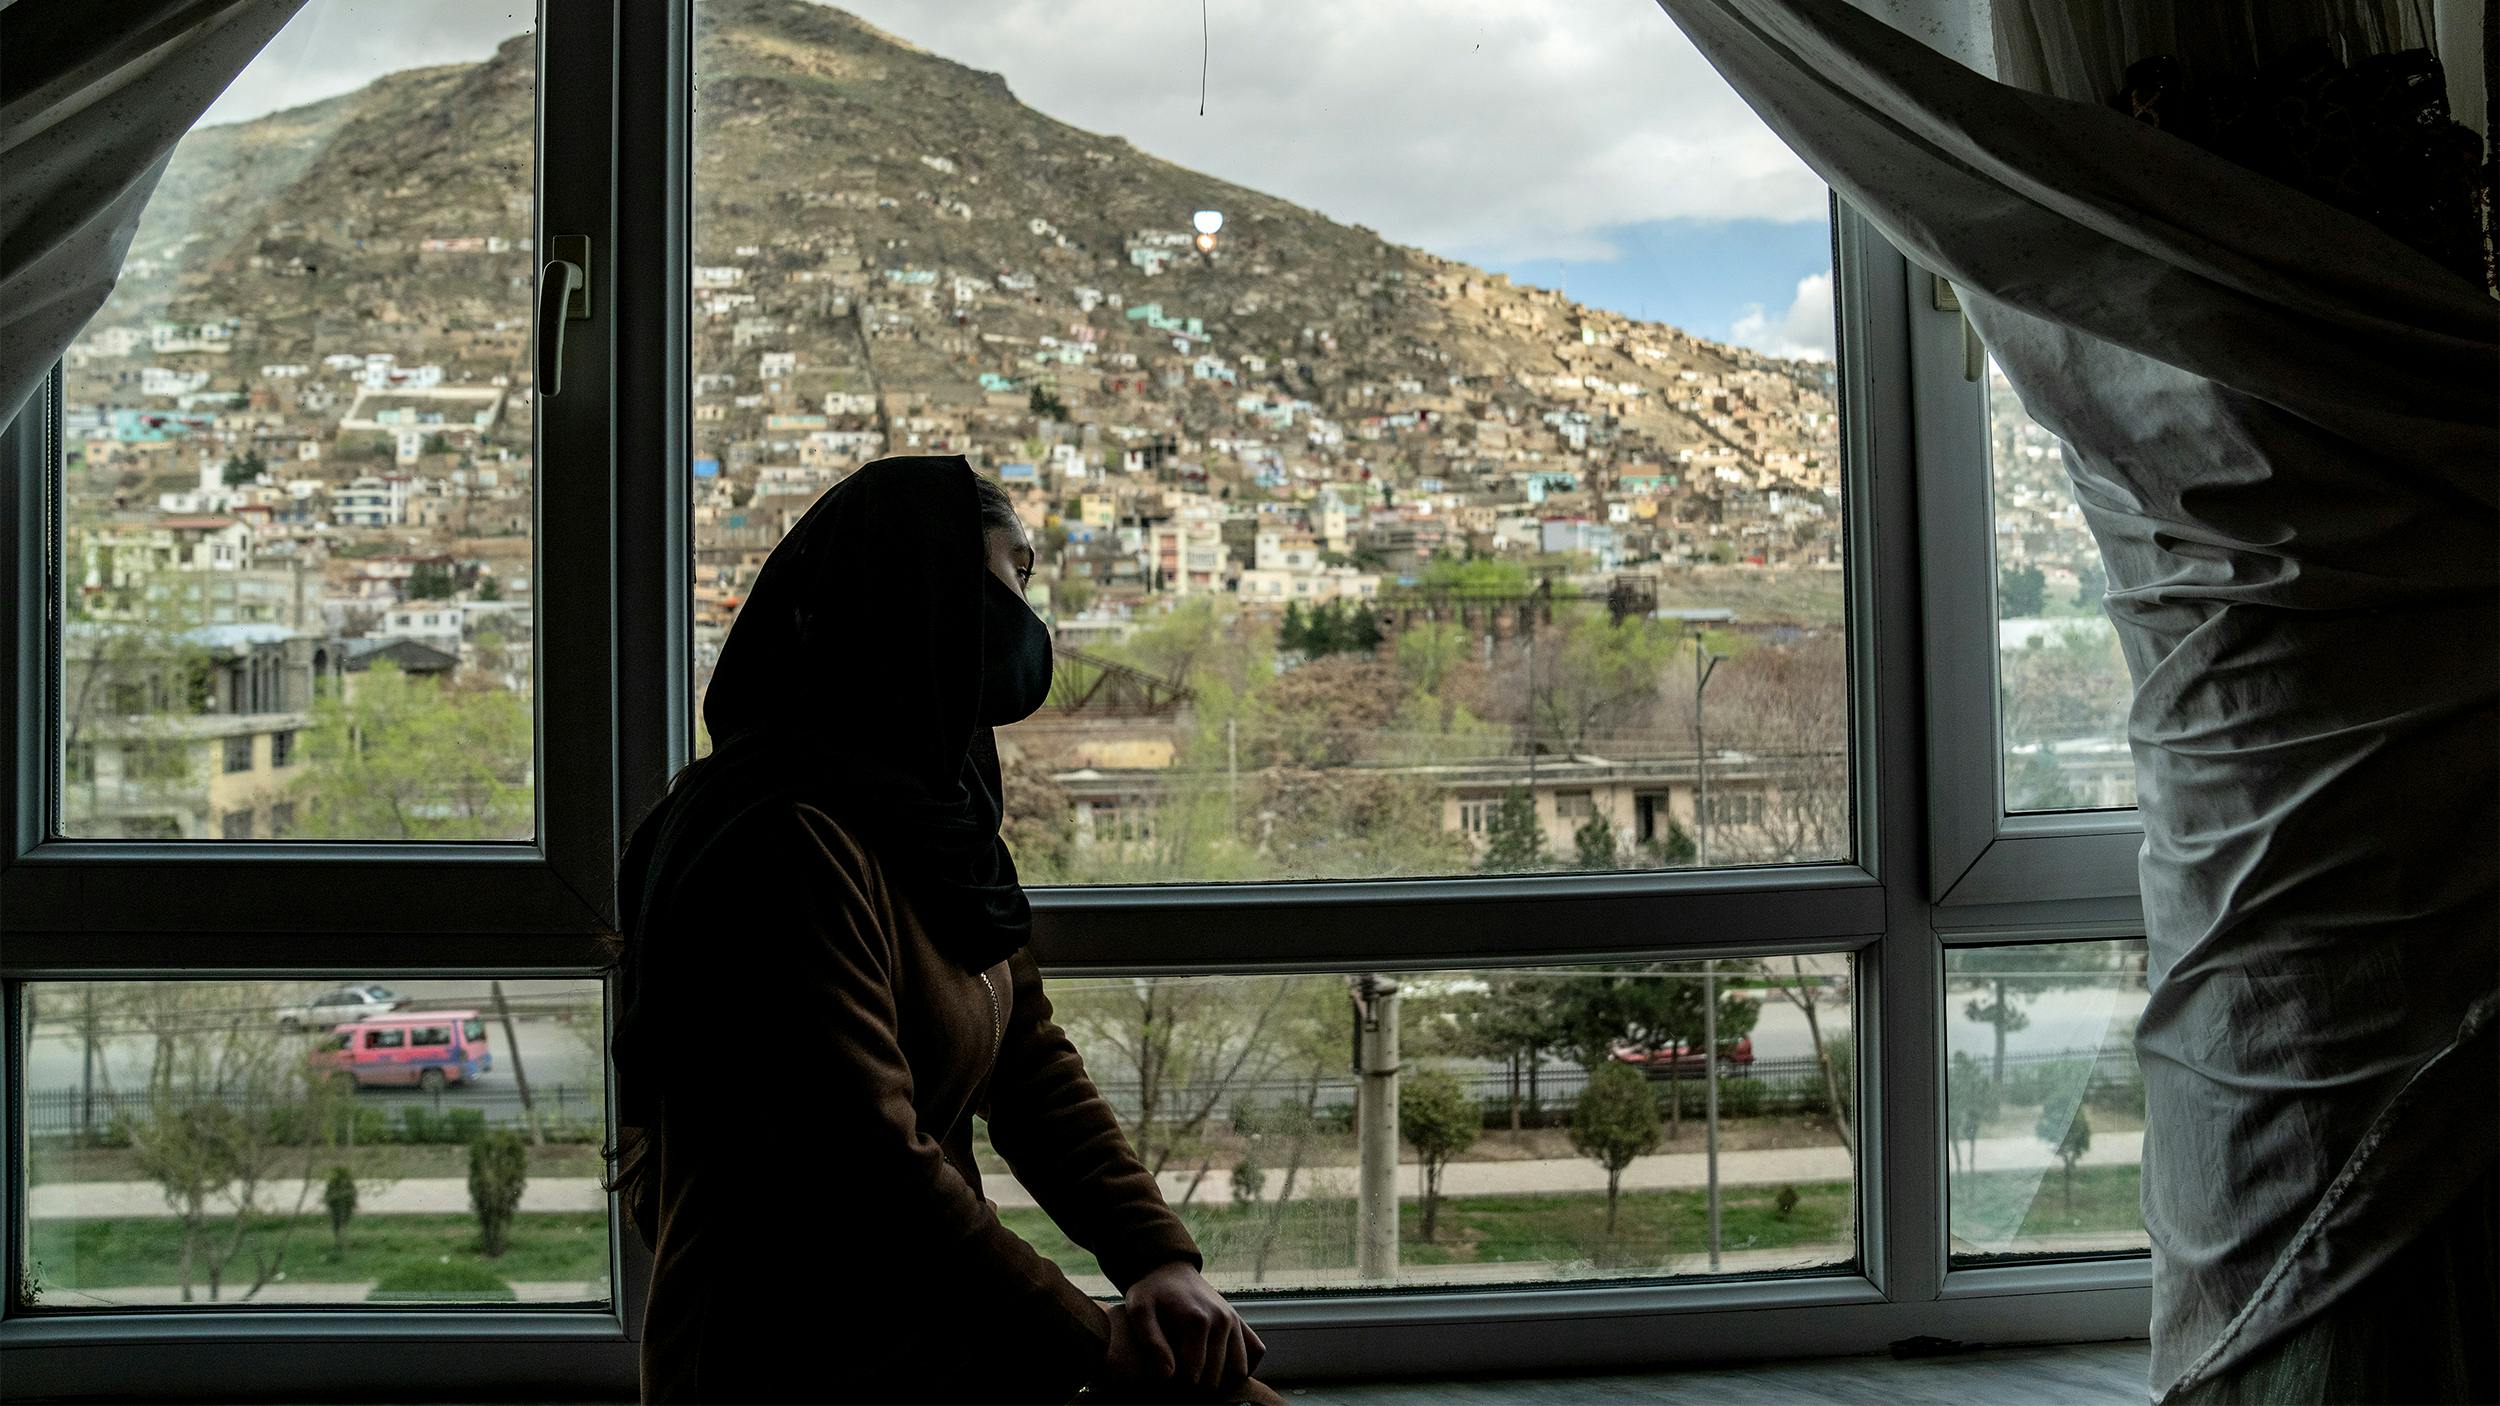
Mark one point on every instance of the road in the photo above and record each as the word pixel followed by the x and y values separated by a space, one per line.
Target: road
pixel 557 1024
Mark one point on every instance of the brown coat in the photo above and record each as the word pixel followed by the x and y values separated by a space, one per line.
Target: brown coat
pixel 819 1231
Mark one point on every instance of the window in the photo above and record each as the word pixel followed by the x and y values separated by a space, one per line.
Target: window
pixel 2044 1103
pixel 235 825
pixel 221 1111
pixel 236 398
pixel 2064 684
pixel 1240 739
pixel 1536 1141
pixel 1317 612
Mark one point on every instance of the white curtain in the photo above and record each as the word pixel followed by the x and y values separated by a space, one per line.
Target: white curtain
pixel 2283 425
pixel 98 93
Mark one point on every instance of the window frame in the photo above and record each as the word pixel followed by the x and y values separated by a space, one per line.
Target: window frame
pixel 1982 852
pixel 1937 861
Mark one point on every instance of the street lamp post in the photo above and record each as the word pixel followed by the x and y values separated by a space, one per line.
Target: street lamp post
pixel 1705 663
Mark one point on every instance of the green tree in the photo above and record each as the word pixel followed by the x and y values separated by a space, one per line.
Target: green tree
pixel 410 758
pixel 1046 405
pixel 1438 1120
pixel 1362 631
pixel 430 580
pixel 2004 980
pixel 2022 592
pixel 1614 1123
pixel 488 588
pixel 1514 1019
pixel 244 468
pixel 499 1171
pixel 1648 1010
pixel 1295 632
pixel 338 1197
pixel 1595 843
pixel 2091 585
pixel 2067 1129
pixel 1970 1103
pixel 1675 848
pixel 1514 838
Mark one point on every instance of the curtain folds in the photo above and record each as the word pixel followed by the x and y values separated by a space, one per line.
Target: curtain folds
pixel 93 96
pixel 2283 426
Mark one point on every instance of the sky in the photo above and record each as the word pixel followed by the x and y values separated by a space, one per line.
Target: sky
pixel 1579 144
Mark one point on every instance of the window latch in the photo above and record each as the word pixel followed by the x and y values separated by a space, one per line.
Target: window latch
pixel 563 296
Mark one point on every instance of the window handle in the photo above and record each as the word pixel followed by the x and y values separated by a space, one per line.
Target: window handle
pixel 563 296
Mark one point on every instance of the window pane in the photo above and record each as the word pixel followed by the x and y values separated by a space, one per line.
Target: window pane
pixel 1256 1128
pixel 2044 1105
pixel 1383 529
pixel 220 1143
pixel 297 478
pixel 2064 683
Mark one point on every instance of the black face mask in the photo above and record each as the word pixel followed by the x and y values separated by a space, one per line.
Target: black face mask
pixel 1015 656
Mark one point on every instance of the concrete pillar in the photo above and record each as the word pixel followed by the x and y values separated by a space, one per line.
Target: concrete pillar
pixel 1376 1128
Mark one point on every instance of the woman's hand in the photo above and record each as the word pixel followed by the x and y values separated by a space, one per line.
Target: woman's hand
pixel 1175 1327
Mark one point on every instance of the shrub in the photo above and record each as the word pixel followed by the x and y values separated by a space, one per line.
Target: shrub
pixel 421 1281
pixel 338 1195
pixel 498 1172
pixel 1741 1098
pixel 1614 1121
pixel 1786 1202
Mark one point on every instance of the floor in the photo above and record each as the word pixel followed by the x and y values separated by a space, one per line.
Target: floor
pixel 2025 1376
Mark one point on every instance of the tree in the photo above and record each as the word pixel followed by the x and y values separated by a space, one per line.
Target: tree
pixel 2091 587
pixel 1438 1120
pixel 2022 592
pixel 488 589
pixel 1594 842
pixel 1513 1020
pixel 2067 1129
pixel 1069 595
pixel 2006 979
pixel 1046 405
pixel 1674 849
pixel 409 758
pixel 498 1173
pixel 338 1197
pixel 231 1104
pixel 1614 1123
pixel 430 580
pixel 1294 633
pixel 1514 838
pixel 1970 1102
pixel 244 468
pixel 1807 995
pixel 1362 631
pixel 1646 1010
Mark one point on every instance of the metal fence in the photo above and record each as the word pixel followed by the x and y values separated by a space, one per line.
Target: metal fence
pixel 577 1112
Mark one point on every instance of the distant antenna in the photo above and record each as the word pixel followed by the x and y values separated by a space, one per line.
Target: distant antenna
pixel 1202 57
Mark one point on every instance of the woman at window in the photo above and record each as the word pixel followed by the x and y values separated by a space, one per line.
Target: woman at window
pixel 825 979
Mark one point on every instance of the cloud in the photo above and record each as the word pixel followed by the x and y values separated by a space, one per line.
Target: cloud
pixel 1514 129
pixel 1804 330
pixel 338 46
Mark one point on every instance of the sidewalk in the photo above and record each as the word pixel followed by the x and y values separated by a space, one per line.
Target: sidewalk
pixel 1672 1171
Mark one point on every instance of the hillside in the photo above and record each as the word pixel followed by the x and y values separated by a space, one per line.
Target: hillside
pixel 888 243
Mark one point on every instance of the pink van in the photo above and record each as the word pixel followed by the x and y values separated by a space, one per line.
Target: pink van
pixel 426 1048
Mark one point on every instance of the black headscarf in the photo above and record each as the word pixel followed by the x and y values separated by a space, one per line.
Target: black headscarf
pixel 853 681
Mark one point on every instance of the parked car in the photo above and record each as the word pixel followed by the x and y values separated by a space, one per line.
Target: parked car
pixel 429 1049
pixel 344 1003
pixel 1684 1061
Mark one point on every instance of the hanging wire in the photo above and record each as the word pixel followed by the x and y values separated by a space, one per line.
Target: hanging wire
pixel 1203 48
